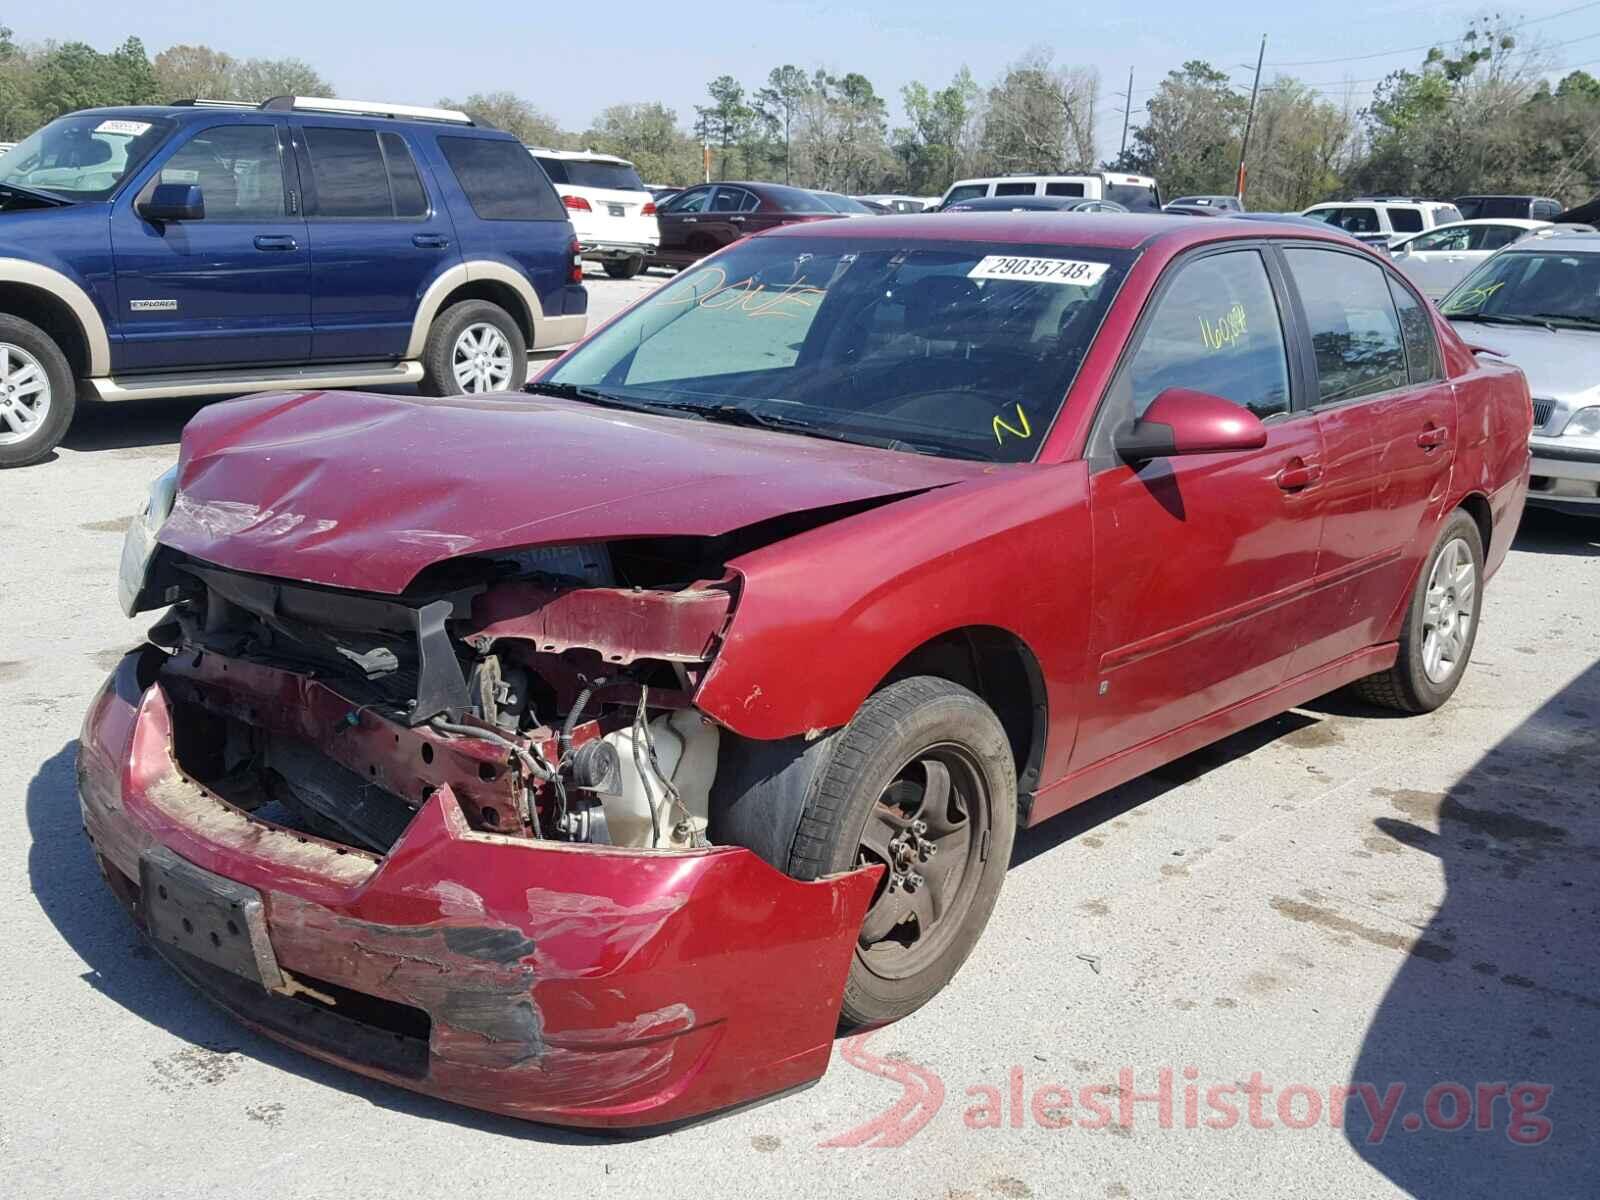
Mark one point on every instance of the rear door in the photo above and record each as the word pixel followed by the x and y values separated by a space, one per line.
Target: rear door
pixel 1201 562
pixel 728 217
pixel 378 234
pixel 231 289
pixel 1388 422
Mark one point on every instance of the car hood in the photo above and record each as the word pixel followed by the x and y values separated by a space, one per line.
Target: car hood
pixel 1560 365
pixel 363 491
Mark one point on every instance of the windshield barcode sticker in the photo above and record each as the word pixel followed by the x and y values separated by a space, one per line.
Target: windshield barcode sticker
pixel 1039 270
pixel 129 128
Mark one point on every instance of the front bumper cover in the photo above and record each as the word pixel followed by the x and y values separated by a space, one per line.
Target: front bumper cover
pixel 1565 477
pixel 574 985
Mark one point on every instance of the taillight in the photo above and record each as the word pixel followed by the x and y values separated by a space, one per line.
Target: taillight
pixel 649 210
pixel 577 260
pixel 576 203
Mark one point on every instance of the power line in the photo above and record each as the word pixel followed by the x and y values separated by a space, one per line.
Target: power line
pixel 1317 62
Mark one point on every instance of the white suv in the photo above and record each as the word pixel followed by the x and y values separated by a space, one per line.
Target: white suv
pixel 612 212
pixel 1384 220
pixel 1136 193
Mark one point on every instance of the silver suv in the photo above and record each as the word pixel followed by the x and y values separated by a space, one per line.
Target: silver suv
pixel 1538 303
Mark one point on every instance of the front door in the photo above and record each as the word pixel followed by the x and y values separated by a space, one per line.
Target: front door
pixel 378 237
pixel 1200 562
pixel 1388 420
pixel 679 220
pixel 1437 261
pixel 230 289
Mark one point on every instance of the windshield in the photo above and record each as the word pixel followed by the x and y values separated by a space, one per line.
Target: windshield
pixel 82 157
pixel 959 349
pixel 1546 287
pixel 1134 197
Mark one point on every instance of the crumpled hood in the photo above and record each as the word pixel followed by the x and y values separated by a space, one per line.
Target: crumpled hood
pixel 363 491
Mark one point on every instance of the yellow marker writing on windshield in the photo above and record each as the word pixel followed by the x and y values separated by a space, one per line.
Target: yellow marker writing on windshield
pixel 1001 428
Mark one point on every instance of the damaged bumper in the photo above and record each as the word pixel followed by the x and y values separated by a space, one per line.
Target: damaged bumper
pixel 576 985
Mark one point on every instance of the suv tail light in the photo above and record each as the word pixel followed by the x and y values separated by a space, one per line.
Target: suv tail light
pixel 577 258
pixel 649 210
pixel 576 203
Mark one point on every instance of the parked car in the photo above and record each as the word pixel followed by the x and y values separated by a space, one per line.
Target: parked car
pixel 700 220
pixel 901 204
pixel 612 212
pixel 1230 204
pixel 1194 210
pixel 592 766
pixel 1380 221
pixel 1063 204
pixel 191 251
pixel 1537 304
pixel 848 206
pixel 875 208
pixel 1441 258
pixel 1526 208
pixel 1289 219
pixel 1137 193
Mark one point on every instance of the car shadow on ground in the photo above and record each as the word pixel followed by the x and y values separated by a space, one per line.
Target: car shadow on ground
pixel 1545 531
pixel 1492 1023
pixel 123 968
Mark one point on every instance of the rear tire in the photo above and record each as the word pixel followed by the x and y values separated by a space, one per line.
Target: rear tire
pixel 1441 625
pixel 474 348
pixel 624 268
pixel 38 394
pixel 924 763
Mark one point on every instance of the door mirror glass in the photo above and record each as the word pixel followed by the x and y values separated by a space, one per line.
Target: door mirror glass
pixel 1180 421
pixel 174 202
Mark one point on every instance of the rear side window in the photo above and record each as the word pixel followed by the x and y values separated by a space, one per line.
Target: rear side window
pixel 410 199
pixel 1064 189
pixel 1416 329
pixel 501 180
pixel 1016 189
pixel 1405 220
pixel 1354 330
pixel 1492 237
pixel 348 169
pixel 1216 329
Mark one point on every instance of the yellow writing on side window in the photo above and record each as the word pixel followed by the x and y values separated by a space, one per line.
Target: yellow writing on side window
pixel 1225 330
pixel 1001 428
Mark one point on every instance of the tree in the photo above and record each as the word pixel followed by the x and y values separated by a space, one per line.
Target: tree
pixel 17 116
pixel 510 112
pixel 843 123
pixel 724 122
pixel 75 75
pixel 1193 127
pixel 1041 117
pixel 258 79
pixel 648 136
pixel 185 72
pixel 1298 147
pixel 930 146
pixel 779 103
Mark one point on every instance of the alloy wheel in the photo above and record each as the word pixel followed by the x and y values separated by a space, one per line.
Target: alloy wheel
pixel 1447 610
pixel 481 359
pixel 24 394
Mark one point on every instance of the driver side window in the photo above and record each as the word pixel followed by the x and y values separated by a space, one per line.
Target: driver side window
pixel 1216 329
pixel 238 170
pixel 689 202
pixel 1443 239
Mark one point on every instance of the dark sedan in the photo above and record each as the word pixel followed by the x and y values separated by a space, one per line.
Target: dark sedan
pixel 700 220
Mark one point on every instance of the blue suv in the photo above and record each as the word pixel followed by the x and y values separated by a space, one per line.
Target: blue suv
pixel 203 248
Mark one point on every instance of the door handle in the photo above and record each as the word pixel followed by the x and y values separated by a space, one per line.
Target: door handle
pixel 430 241
pixel 691 220
pixel 1433 437
pixel 273 241
pixel 737 220
pixel 1297 475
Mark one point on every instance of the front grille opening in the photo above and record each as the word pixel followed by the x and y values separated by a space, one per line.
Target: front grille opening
pixel 391 1016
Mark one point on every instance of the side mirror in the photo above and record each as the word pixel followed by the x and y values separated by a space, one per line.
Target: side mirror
pixel 1181 421
pixel 174 202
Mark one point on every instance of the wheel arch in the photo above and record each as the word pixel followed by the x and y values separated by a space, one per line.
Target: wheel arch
pixel 62 309
pixel 477 280
pixel 1476 505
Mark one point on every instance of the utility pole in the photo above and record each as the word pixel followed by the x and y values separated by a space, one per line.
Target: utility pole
pixel 1250 120
pixel 1127 111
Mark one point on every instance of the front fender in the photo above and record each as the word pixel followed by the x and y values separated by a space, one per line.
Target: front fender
pixel 825 616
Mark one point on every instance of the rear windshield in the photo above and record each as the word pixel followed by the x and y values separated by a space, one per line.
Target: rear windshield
pixel 843 204
pixel 501 181
pixel 1134 197
pixel 960 349
pixel 1474 207
pixel 82 157
pixel 590 173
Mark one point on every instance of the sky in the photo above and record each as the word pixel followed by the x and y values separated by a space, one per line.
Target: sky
pixel 574 59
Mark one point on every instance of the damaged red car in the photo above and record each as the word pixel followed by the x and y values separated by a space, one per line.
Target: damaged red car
pixel 591 756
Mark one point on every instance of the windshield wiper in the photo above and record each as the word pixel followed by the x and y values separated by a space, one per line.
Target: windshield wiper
pixel 15 189
pixel 1502 319
pixel 1571 319
pixel 589 395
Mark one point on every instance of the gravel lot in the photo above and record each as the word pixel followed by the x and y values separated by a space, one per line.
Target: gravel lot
pixel 1332 898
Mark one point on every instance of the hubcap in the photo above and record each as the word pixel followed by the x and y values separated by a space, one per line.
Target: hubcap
pixel 482 359
pixel 24 394
pixel 929 830
pixel 1447 610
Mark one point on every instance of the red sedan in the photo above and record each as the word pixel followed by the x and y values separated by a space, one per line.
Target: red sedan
pixel 592 756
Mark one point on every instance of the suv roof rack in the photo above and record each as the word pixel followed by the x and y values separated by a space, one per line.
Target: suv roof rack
pixel 202 102
pixel 365 108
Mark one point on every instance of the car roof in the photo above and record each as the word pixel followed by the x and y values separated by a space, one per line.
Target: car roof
pixel 579 155
pixel 1110 231
pixel 221 114
pixel 1578 241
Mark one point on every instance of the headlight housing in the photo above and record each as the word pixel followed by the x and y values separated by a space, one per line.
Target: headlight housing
pixel 1583 423
pixel 139 545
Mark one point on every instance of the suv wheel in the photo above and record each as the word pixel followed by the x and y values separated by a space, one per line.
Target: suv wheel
pixel 624 268
pixel 37 393
pixel 474 347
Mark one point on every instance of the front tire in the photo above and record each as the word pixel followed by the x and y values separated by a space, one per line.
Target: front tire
pixel 921 782
pixel 1441 625
pixel 624 268
pixel 38 394
pixel 474 348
